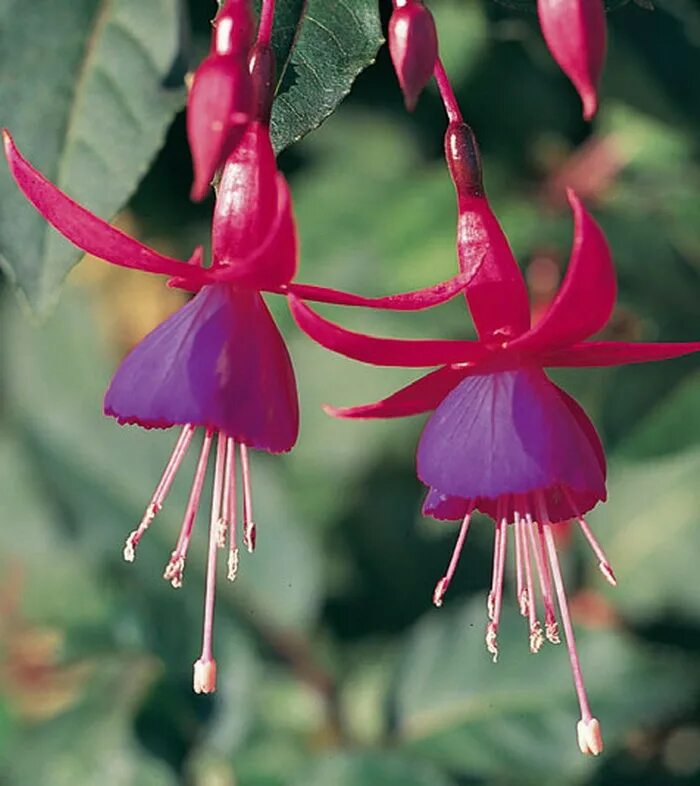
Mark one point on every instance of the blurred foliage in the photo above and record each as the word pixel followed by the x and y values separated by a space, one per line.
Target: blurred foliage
pixel 334 668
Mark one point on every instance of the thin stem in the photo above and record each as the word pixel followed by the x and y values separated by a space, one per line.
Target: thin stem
pixel 248 523
pixel 267 15
pixel 449 100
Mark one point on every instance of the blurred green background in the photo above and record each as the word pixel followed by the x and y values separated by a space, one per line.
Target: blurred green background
pixel 335 670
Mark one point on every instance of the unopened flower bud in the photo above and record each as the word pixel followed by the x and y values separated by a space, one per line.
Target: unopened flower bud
pixel 575 32
pixel 413 46
pixel 221 100
pixel 219 108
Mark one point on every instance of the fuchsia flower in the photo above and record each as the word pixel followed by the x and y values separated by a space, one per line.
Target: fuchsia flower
pixel 221 100
pixel 413 46
pixel 219 364
pixel 575 32
pixel 504 439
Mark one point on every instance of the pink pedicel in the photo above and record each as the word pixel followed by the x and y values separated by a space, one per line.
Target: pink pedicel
pixel 413 47
pixel 503 439
pixel 221 99
pixel 576 34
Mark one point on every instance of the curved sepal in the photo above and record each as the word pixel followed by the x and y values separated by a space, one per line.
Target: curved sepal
pixel 575 32
pixel 84 229
pixel 617 353
pixel 420 396
pixel 586 298
pixel 405 301
pixel 408 353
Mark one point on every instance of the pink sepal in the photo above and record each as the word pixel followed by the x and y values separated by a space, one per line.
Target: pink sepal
pixel 84 229
pixel 383 351
pixel 406 301
pixel 617 353
pixel 586 298
pixel 420 396
pixel 575 32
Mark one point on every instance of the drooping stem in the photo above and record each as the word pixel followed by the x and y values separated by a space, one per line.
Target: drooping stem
pixel 449 100
pixel 267 15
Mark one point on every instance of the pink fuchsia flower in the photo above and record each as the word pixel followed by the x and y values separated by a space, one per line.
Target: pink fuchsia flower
pixel 503 438
pixel 219 364
pixel 576 34
pixel 221 100
pixel 413 46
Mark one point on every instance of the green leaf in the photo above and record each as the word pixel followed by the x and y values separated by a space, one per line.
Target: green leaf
pixel 320 48
pixel 518 718
pixel 331 45
pixel 365 769
pixel 672 425
pixel 651 532
pixel 82 88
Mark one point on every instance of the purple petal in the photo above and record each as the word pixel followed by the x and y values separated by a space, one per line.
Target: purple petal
pixel 510 433
pixel 219 362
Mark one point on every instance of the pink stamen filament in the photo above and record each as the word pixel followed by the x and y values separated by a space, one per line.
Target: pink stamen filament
pixel 217 500
pixel 176 565
pixel 537 546
pixel 536 637
pixel 491 597
pixel 161 492
pixel 205 666
pixel 603 562
pixel 501 544
pixel 267 15
pixel 248 524
pixel 449 100
pixel 590 725
pixel 231 507
pixel 521 592
pixel 444 583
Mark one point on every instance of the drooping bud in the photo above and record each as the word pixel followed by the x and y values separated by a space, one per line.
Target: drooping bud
pixel 221 99
pixel 575 32
pixel 413 46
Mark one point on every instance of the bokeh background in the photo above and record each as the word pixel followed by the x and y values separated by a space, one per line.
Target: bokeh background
pixel 335 670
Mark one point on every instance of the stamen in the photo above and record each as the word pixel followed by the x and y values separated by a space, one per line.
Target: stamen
pixel 205 666
pixel 161 492
pixel 588 729
pixel 521 592
pixel 444 583
pixel 536 637
pixel 492 627
pixel 176 565
pixel 217 501
pixel 550 619
pixel 491 597
pixel 248 523
pixel 230 507
pixel 603 562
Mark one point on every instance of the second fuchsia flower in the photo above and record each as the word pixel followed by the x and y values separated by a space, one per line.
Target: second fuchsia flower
pixel 504 439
